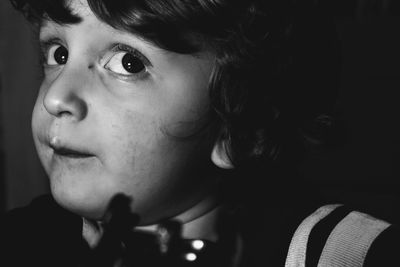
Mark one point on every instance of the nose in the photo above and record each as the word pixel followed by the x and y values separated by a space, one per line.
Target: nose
pixel 64 96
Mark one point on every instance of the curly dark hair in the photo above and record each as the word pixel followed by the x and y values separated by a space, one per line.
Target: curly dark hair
pixel 277 63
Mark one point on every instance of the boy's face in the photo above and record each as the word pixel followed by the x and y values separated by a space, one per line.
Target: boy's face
pixel 117 114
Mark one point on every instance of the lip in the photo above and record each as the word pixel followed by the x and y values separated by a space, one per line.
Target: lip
pixel 70 152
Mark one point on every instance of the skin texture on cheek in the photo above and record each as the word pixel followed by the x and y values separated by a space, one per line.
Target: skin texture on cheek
pixel 159 166
pixel 134 156
pixel 134 141
pixel 144 132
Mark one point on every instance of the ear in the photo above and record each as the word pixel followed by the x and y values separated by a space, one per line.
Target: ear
pixel 219 155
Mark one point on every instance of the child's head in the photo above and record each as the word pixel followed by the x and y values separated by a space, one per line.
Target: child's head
pixel 148 97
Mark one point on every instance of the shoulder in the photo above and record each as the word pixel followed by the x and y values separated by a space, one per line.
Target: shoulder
pixel 38 232
pixel 337 234
pixel 43 213
pixel 42 205
pixel 20 219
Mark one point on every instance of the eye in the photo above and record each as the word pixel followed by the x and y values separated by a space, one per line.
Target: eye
pixel 56 54
pixel 127 61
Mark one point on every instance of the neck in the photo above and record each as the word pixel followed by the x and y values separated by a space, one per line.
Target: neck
pixel 202 227
pixel 198 222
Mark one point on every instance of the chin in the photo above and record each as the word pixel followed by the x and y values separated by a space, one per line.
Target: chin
pixel 83 204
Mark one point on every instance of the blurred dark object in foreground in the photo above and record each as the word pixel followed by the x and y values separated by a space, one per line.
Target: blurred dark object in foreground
pixel 120 245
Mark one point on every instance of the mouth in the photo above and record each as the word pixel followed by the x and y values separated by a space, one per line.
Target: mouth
pixel 70 153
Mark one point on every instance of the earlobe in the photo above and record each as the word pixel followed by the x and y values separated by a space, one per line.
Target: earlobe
pixel 219 156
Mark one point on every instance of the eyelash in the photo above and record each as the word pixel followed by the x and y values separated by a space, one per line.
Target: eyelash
pixel 45 45
pixel 116 48
pixel 126 48
pixel 122 48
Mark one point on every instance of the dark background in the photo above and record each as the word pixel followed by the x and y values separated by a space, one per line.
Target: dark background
pixel 365 168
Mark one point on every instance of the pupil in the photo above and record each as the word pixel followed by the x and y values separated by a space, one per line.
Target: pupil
pixel 132 63
pixel 61 55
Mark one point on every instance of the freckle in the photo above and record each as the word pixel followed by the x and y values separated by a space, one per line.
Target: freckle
pixel 90 66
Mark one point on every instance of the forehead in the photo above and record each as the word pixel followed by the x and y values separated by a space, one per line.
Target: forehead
pixel 91 28
pixel 150 22
pixel 79 9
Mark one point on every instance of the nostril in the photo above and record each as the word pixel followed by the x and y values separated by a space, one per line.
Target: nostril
pixel 64 114
pixel 65 105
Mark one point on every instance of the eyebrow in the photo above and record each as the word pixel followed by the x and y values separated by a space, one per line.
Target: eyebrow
pixel 47 30
pixel 62 17
pixel 49 24
pixel 46 21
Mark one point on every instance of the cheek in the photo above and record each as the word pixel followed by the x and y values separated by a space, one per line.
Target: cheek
pixel 40 121
pixel 40 117
pixel 35 123
pixel 186 117
pixel 129 143
pixel 143 156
